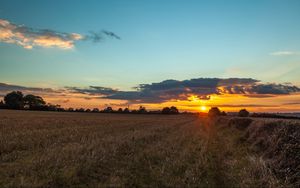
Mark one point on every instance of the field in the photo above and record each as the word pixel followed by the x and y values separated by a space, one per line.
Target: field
pixel 60 149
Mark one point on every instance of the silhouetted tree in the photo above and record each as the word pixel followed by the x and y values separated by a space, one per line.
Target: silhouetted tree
pixel 70 110
pixel 142 110
pixel 88 110
pixel 171 110
pixel 108 110
pixel 126 110
pixel 52 107
pixel 243 113
pixel 223 113
pixel 154 112
pixel 120 110
pixel 165 110
pixel 14 100
pixel 174 110
pixel 59 109
pixel 79 110
pixel 95 110
pixel 34 102
pixel 214 111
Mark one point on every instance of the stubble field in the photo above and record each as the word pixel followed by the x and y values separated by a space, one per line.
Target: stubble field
pixel 56 149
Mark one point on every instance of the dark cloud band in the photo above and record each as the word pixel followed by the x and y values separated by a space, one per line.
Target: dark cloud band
pixel 169 90
pixel 201 87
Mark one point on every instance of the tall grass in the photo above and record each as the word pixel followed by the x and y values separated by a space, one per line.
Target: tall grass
pixel 277 143
pixel 50 149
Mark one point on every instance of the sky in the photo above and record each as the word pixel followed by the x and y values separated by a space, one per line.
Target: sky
pixel 232 54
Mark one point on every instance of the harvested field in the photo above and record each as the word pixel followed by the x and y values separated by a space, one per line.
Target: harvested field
pixel 56 149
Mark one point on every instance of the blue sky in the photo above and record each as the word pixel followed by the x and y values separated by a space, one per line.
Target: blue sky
pixel 161 40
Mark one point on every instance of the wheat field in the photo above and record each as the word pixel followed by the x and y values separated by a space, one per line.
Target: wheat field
pixel 61 149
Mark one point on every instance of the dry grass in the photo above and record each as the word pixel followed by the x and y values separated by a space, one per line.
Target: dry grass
pixel 48 149
pixel 276 144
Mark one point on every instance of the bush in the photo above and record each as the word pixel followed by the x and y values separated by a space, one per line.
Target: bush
pixel 126 110
pixel 95 110
pixel 214 111
pixel 243 113
pixel 171 110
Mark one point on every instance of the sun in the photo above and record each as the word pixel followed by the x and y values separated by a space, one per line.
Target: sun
pixel 203 108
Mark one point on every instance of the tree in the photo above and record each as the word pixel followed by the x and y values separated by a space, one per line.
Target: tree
pixel 171 110
pixel 174 110
pixel 70 110
pixel 108 109
pixel 95 110
pixel 142 110
pixel 79 110
pixel 214 111
pixel 33 102
pixel 223 113
pixel 165 110
pixel 126 110
pixel 120 110
pixel 53 107
pixel 243 113
pixel 14 100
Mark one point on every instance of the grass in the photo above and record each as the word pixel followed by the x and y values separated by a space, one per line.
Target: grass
pixel 49 149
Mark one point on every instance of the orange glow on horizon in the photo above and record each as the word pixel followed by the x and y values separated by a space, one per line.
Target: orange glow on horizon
pixel 225 102
pixel 203 108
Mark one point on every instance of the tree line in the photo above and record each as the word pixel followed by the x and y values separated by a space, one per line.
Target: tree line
pixel 215 111
pixel 18 101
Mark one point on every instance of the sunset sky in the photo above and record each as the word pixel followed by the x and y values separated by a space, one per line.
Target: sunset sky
pixel 192 54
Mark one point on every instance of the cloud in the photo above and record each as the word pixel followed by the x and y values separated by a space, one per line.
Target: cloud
pixel 29 37
pixel 283 53
pixel 167 90
pixel 99 36
pixel 39 91
pixel 4 88
pixel 111 34
pixel 93 90
pixel 291 103
pixel 202 88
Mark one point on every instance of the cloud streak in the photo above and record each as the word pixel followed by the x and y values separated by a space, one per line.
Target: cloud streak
pixel 284 53
pixel 6 88
pixel 28 37
pixel 93 90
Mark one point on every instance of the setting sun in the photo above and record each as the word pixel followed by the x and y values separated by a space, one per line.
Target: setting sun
pixel 203 108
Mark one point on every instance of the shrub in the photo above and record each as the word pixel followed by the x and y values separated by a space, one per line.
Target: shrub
pixel 243 113
pixel 214 111
pixel 171 110
pixel 95 110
